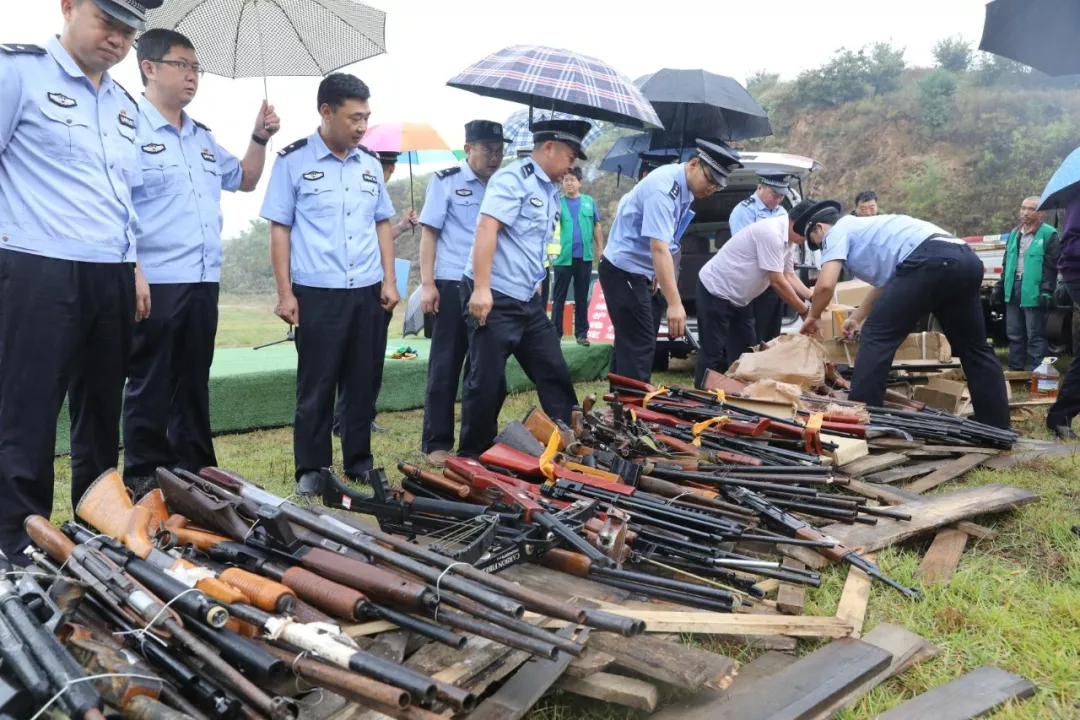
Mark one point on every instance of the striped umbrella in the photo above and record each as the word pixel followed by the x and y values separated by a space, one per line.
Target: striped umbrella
pixel 559 80
pixel 418 141
pixel 517 129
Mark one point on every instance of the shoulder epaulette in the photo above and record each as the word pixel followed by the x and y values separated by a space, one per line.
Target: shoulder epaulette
pixel 369 151
pixel 302 142
pixel 443 174
pixel 199 124
pixel 124 90
pixel 748 201
pixel 21 49
pixel 674 191
pixel 527 169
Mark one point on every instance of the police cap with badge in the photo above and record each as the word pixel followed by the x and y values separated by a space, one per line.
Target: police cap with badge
pixel 130 12
pixel 571 132
pixel 781 183
pixel 477 131
pixel 824 211
pixel 718 160
pixel 388 157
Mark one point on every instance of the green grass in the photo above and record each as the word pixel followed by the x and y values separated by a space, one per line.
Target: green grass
pixel 1013 602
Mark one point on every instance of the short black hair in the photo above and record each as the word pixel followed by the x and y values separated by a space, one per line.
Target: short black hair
pixel 155 45
pixel 336 88
pixel 576 172
pixel 866 196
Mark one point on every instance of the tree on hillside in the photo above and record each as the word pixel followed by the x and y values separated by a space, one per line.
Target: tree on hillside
pixel 245 266
pixel 885 67
pixel 936 91
pixel 851 75
pixel 761 81
pixel 991 70
pixel 953 54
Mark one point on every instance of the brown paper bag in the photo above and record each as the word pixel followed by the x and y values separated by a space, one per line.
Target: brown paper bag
pixel 796 359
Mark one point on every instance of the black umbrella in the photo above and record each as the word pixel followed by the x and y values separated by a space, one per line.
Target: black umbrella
pixel 630 151
pixel 696 103
pixel 1039 33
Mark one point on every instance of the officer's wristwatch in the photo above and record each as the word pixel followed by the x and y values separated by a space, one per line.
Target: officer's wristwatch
pixel 259 140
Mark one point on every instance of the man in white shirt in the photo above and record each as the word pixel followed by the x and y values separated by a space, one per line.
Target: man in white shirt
pixel 760 256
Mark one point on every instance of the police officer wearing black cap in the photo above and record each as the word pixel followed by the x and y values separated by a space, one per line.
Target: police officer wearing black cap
pixel 504 313
pixel 645 235
pixel 449 218
pixel 915 268
pixel 69 291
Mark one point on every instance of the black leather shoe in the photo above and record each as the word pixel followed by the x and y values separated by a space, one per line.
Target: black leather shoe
pixel 376 427
pixel 1064 432
pixel 310 483
pixel 584 342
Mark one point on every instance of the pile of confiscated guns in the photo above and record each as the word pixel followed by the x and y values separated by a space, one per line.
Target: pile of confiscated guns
pixel 149 615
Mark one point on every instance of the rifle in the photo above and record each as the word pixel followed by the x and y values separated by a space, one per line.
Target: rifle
pixel 115 589
pixel 34 654
pixel 798 529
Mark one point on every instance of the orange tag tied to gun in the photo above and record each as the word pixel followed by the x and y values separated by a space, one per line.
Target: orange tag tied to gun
pixel 698 428
pixel 649 396
pixel 720 395
pixel 814 421
pixel 547 458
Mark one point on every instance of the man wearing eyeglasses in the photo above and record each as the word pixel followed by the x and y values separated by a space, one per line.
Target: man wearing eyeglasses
pixel 449 217
pixel 68 297
pixel 184 170
pixel 765 203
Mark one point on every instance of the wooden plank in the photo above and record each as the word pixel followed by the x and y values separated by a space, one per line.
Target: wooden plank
pixel 872 464
pixel 894 443
pixel 591 662
pixel 903 473
pixel 669 662
pixel 369 628
pixel 976 694
pixel 947 472
pixel 710 623
pixel 514 699
pixel 814 682
pixel 942 557
pixel 883 493
pixel 959 449
pixel 854 599
pixel 617 689
pixel 391 645
pixel 928 514
pixel 847 449
pixel 791 597
pixel 903 645
pixel 1013 459
pixel 707 704
pixel 977 531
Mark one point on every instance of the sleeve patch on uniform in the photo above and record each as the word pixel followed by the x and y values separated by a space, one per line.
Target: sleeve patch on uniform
pixel 536 202
pixel 314 175
pixel 62 100
pixel 153 148
pixel 208 156
pixel 674 192
pixel 463 192
pixel 369 177
pixel 126 120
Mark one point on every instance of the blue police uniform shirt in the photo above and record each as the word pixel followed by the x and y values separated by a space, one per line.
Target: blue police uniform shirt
pixel 179 202
pixel 522 197
pixel 332 206
pixel 872 247
pixel 658 208
pixel 452 206
pixel 749 211
pixel 67 159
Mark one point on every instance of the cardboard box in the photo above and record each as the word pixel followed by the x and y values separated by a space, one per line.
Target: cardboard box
pixel 946 395
pixel 929 347
pixel 850 292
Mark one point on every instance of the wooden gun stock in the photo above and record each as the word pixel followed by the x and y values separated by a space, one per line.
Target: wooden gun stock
pixel 107 507
pixel 571 563
pixel 433 481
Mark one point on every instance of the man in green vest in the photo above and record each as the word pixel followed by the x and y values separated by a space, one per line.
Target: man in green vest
pixel 1029 280
pixel 580 239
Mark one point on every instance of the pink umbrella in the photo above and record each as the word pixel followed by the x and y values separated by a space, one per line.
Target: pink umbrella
pixel 411 138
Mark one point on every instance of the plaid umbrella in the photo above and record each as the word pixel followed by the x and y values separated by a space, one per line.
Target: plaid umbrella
pixel 257 38
pixel 559 80
pixel 517 129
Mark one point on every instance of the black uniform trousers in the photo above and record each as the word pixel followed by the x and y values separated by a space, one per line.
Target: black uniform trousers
pixel 635 317
pixel 167 398
pixel 517 328
pixel 449 352
pixel 339 401
pixel 725 331
pixel 1067 405
pixel 65 327
pixel 768 311
pixel 942 278
pixel 579 272
pixel 340 341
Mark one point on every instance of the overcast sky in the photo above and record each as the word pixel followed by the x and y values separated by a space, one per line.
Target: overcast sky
pixel 429 41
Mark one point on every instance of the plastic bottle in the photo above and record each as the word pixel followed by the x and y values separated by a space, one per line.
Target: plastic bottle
pixel 1045 379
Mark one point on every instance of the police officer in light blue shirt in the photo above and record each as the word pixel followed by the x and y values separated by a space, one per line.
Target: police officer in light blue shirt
pixel 503 310
pixel 68 297
pixel 766 202
pixel 184 171
pixel 644 236
pixel 333 258
pixel 916 269
pixel 451 211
